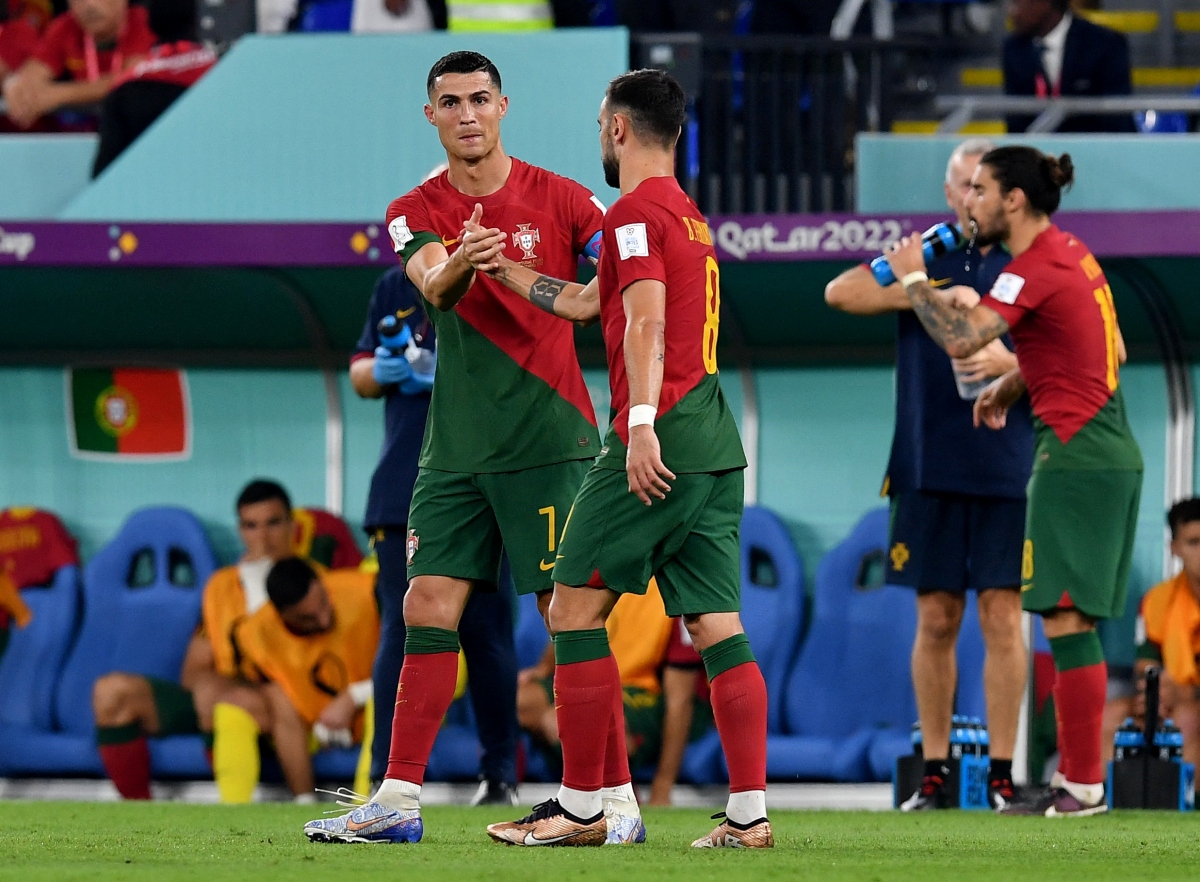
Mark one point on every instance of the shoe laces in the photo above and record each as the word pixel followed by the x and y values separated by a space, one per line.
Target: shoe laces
pixel 346 798
pixel 548 809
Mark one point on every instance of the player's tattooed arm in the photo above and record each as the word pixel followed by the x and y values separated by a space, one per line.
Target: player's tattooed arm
pixel 567 300
pixel 960 332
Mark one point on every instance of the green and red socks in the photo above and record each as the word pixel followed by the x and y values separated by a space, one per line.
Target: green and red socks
pixel 1080 690
pixel 739 703
pixel 587 696
pixel 125 754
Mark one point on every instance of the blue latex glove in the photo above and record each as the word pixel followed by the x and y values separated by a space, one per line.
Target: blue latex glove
pixel 390 369
pixel 421 380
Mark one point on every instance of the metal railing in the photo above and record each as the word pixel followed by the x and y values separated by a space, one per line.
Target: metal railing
pixel 772 119
pixel 1049 113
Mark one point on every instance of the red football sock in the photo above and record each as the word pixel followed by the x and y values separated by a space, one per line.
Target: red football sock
pixel 584 698
pixel 128 765
pixel 1063 754
pixel 1079 696
pixel 616 751
pixel 739 703
pixel 422 699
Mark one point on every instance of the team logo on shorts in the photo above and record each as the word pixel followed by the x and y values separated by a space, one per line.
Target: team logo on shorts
pixel 527 239
pixel 899 555
pixel 414 542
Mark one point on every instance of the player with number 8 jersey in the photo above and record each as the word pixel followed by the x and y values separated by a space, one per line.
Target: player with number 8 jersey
pixel 665 496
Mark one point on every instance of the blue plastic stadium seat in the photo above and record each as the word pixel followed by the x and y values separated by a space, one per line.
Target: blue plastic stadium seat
pixel 328 15
pixel 141 606
pixel 30 669
pixel 851 682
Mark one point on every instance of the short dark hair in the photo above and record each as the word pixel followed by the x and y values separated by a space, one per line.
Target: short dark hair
pixel 654 102
pixel 1041 176
pixel 1183 512
pixel 173 20
pixel 262 490
pixel 462 63
pixel 288 582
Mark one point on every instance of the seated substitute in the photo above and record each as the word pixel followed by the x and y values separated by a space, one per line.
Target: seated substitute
pixel 658 685
pixel 89 45
pixel 313 648
pixel 130 708
pixel 1169 631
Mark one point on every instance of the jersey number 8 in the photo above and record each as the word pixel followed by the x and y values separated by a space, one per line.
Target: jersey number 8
pixel 712 313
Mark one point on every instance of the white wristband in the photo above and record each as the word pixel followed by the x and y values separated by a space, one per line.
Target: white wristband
pixel 642 415
pixel 912 278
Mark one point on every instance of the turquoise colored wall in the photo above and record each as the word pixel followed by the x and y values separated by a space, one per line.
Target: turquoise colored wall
pixel 331 127
pixel 1112 172
pixel 40 174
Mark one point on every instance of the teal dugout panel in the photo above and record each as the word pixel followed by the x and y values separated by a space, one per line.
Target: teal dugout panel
pixel 331 126
pixel 895 173
pixel 41 174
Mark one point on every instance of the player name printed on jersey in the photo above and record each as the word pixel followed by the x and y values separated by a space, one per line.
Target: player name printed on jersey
pixel 655 233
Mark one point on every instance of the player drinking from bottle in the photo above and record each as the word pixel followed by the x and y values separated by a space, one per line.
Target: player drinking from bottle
pixel 510 431
pixel 664 498
pixel 1087 470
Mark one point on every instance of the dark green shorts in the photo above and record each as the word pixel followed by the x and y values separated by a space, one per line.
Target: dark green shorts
pixel 688 541
pixel 460 523
pixel 1079 532
pixel 175 708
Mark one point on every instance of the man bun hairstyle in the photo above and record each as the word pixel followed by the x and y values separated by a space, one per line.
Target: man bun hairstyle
pixel 1040 176
pixel 462 63
pixel 262 490
pixel 1183 512
pixel 288 582
pixel 654 102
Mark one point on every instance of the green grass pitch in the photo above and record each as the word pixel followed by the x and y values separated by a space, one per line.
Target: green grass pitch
pixel 162 841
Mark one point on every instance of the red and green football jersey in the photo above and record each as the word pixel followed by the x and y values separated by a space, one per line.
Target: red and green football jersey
pixel 509 393
pixel 1064 329
pixel 657 232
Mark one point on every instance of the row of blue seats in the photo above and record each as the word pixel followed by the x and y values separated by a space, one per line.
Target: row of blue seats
pixel 837 672
pixel 133 608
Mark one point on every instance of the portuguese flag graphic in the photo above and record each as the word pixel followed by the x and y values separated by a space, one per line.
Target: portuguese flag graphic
pixel 129 413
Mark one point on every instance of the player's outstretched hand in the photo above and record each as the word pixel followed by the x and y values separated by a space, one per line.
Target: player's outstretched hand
pixel 481 246
pixel 906 256
pixel 991 407
pixel 643 464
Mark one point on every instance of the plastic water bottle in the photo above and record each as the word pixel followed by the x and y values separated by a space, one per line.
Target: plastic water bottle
pixel 959 737
pixel 1129 741
pixel 918 740
pixel 397 336
pixel 1168 741
pixel 936 241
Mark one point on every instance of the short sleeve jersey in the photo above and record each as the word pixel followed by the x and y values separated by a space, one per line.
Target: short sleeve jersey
pixel 656 232
pixel 312 669
pixel 64 46
pixel 1059 306
pixel 404 415
pixel 223 607
pixel 509 394
pixel 935 446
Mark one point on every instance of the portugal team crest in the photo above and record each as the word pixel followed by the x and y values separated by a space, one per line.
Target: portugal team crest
pixel 526 239
pixel 116 411
pixel 414 541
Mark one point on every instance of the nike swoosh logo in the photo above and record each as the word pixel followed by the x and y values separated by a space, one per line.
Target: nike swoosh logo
pixel 530 839
pixel 545 567
pixel 354 826
pixel 449 242
pixel 405 313
pixel 937 283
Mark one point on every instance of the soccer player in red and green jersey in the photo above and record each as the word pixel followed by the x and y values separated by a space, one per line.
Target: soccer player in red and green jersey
pixel 665 496
pixel 1087 470
pixel 510 431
